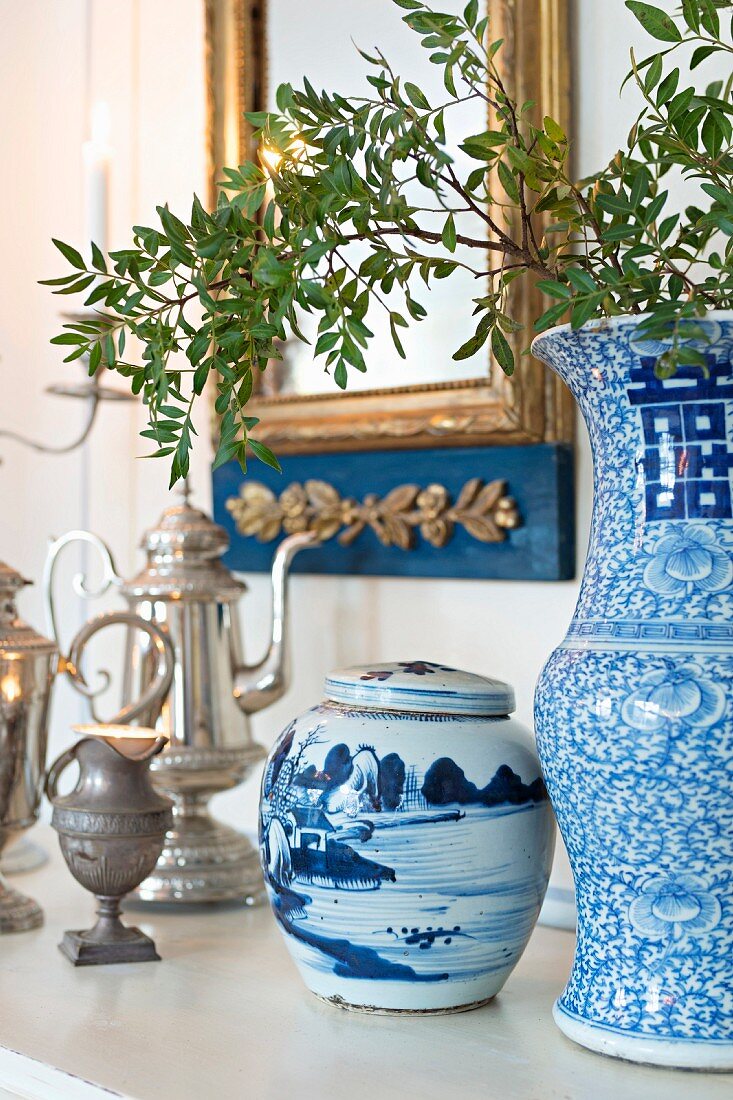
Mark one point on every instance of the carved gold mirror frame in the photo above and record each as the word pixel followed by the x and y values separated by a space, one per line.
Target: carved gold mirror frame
pixel 533 406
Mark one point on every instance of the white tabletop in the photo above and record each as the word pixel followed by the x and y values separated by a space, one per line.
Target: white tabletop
pixel 224 1016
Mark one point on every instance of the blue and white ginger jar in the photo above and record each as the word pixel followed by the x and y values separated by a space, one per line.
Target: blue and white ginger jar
pixel 634 711
pixel 406 838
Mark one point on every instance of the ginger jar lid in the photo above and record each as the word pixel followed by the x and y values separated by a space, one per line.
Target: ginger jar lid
pixel 420 686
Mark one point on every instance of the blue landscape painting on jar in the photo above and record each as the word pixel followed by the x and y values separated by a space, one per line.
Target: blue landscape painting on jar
pixel 408 865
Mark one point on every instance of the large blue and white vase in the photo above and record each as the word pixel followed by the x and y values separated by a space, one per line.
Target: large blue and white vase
pixel 634 710
pixel 406 838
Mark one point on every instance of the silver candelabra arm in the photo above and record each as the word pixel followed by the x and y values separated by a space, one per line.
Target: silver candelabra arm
pixel 71 663
pixel 156 690
pixel 80 583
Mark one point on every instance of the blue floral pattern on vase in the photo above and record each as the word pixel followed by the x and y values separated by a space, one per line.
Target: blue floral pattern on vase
pixel 688 560
pixel 674 906
pixel 674 694
pixel 634 710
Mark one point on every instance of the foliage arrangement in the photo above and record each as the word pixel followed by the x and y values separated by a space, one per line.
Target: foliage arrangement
pixel 338 173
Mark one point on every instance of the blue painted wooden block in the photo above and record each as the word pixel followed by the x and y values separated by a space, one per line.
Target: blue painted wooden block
pixel 539 477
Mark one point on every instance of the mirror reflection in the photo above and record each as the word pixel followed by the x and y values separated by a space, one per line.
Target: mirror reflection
pixel 319 40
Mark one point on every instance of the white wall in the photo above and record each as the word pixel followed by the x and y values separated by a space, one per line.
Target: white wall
pixel 148 65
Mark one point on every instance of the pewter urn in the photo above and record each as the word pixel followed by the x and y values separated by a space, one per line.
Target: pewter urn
pixel 111 828
pixel 186 590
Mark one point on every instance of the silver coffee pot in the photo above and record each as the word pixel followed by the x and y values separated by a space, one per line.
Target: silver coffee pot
pixel 186 590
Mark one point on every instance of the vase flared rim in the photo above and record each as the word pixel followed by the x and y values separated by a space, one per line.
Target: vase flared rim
pixel 611 324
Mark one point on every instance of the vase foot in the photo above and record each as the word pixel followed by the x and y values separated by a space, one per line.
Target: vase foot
pixel 672 1053
pixel 202 862
pixel 17 912
pixel 374 1010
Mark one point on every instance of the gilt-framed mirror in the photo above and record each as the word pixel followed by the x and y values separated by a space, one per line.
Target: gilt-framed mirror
pixel 466 416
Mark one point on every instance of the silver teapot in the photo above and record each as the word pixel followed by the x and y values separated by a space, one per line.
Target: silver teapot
pixel 186 590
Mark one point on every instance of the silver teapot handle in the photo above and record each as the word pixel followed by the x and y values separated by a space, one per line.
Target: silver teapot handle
pixel 156 690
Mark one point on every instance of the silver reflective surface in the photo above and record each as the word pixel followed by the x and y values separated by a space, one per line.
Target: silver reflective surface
pixel 186 592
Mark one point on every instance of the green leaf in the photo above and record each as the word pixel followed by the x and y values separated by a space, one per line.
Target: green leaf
pixel 174 228
pixel 554 289
pixel 582 311
pixel 416 97
pixel 502 351
pixel 551 317
pixel 449 233
pixel 70 254
pixel 61 281
pixel 668 87
pixel 700 54
pixel 470 12
pixel 639 187
pixel 225 453
pixel 95 358
pixel 200 377
pixel 245 389
pixel 714 132
pixel 553 130
pixel 508 181
pixel 581 280
pixel 394 320
pixel 654 73
pixel 69 338
pixel 210 246
pixel 622 232
pixel 340 375
pixel 614 204
pixel 98 259
pixel 472 345
pixel 709 17
pixel 326 342
pixel 77 285
pixel 655 21
pixel 691 14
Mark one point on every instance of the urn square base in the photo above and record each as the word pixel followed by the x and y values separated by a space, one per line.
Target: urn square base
pixel 80 950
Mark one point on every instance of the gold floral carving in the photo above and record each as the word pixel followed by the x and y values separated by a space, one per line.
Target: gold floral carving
pixel 483 510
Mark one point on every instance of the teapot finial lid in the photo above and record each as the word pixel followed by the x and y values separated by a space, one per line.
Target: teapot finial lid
pixel 10 579
pixel 184 549
pixel 15 635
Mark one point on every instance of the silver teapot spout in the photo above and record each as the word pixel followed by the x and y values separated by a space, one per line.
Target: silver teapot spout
pixel 256 686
